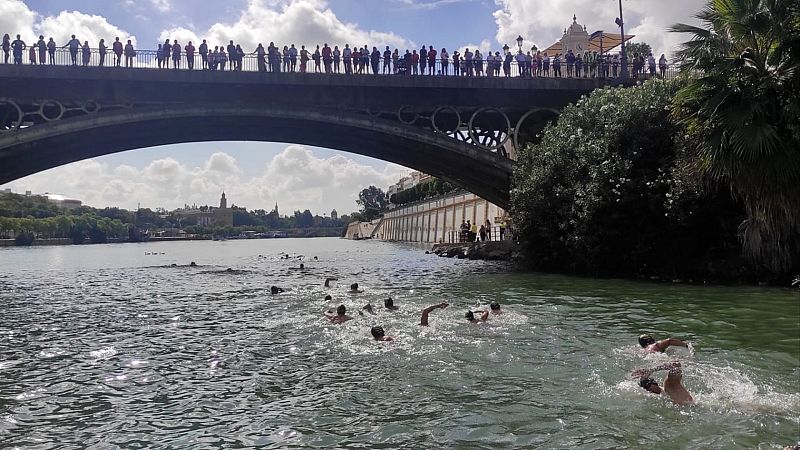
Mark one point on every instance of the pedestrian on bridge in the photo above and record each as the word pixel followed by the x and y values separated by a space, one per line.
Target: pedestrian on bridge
pixel 375 59
pixel 337 58
pixel 292 58
pixel 327 57
pixel 387 61
pixel 6 47
pixel 87 53
pixel 32 54
pixel 51 51
pixel 317 57
pixel 73 45
pixel 445 61
pixel 130 53
pixel 166 49
pixel 347 54
pixel 303 59
pixel 176 54
pixel 116 47
pixel 240 57
pixel 222 58
pixel 431 60
pixel 101 47
pixel 203 50
pixel 261 58
pixel 42 46
pixel 189 55
pixel 286 58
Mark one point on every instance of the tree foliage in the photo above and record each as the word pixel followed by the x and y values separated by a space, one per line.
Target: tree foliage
pixel 607 191
pixel 422 191
pixel 373 203
pixel 640 48
pixel 742 104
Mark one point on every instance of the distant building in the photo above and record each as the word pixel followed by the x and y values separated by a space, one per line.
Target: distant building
pixel 218 217
pixel 62 202
pixel 577 39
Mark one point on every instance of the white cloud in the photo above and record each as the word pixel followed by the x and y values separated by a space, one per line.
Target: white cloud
pixel 299 22
pixel 161 5
pixel 295 178
pixel 542 22
pixel 428 4
pixel 17 18
pixel 85 27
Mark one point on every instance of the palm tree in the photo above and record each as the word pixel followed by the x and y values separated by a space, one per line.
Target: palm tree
pixel 742 105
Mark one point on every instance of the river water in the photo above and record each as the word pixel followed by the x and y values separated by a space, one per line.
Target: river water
pixel 109 346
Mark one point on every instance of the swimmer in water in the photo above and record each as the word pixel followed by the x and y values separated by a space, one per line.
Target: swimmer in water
pixel 368 308
pixel 302 266
pixel 651 346
pixel 470 316
pixel 340 317
pixel 672 383
pixel 275 290
pixel 495 308
pixel 380 335
pixel 354 289
pixel 328 297
pixel 389 304
pixel 425 312
pixel 328 281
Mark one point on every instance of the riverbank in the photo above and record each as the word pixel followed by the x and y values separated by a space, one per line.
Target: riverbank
pixel 488 250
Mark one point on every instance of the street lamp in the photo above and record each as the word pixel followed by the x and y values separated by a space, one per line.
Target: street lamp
pixel 519 42
pixel 624 59
pixel 505 48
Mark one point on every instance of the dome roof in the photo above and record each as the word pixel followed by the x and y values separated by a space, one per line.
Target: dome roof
pixel 575 28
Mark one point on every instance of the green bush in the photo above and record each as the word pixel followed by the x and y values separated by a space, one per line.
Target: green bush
pixel 607 192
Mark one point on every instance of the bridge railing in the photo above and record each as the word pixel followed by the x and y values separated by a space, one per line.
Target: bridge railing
pixel 149 59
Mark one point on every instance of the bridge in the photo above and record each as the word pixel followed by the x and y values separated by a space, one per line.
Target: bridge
pixel 465 130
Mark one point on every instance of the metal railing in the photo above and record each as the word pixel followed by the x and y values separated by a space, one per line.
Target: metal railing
pixel 251 62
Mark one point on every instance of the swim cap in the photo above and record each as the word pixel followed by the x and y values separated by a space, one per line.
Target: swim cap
pixel 645 340
pixel 494 305
pixel 469 315
pixel 647 382
pixel 377 332
pixel 328 297
pixel 354 286
pixel 341 310
pixel 388 302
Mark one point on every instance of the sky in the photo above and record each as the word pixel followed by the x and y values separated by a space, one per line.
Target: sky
pixel 258 175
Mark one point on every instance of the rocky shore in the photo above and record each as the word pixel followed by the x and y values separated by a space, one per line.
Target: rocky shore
pixel 490 251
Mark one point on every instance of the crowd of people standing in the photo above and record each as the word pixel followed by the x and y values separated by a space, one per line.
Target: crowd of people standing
pixel 346 60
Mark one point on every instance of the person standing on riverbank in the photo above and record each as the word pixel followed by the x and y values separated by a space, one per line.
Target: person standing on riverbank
pixel 672 383
pixel 650 345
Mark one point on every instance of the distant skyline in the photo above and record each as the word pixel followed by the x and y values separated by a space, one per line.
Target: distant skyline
pixel 256 175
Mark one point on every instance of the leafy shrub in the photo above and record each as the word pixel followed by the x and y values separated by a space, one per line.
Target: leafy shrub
pixel 607 191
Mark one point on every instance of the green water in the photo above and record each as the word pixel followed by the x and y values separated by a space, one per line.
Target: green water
pixel 106 346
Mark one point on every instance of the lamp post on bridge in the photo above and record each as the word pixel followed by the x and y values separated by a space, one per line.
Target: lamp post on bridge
pixel 520 40
pixel 624 56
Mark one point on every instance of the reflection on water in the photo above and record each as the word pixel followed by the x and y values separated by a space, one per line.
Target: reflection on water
pixel 110 346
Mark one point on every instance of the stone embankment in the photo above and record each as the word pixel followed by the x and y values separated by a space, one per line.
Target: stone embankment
pixel 490 251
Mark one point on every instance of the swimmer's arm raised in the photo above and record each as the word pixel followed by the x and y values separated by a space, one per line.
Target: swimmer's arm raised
pixel 425 312
pixel 665 343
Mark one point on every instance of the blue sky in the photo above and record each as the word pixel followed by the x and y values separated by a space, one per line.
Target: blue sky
pixel 257 175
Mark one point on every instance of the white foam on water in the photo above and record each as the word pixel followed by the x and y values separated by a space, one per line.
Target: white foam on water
pixel 103 353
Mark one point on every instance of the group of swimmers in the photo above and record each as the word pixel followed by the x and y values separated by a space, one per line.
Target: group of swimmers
pixel 379 334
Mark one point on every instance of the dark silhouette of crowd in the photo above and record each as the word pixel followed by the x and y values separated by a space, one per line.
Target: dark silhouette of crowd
pixel 334 60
